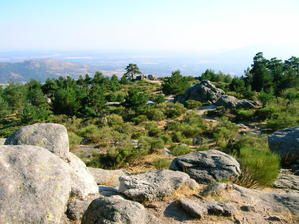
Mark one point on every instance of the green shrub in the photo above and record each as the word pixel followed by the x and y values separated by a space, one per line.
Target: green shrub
pixel 114 119
pixel 178 150
pixel 139 119
pixel 282 120
pixel 192 104
pixel 89 133
pixel 161 163
pixel 264 113
pixel 74 139
pixel 245 115
pixel 154 114
pixel 259 167
pixel 224 133
pixel 174 110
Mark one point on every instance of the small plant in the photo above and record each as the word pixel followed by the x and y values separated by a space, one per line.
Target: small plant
pixel 161 163
pixel 192 104
pixel 178 150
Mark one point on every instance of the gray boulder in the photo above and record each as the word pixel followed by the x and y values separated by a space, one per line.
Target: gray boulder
pixel 228 102
pixel 286 143
pixel 207 166
pixel 34 185
pixel 76 208
pixel 106 177
pixel 204 91
pixel 154 185
pixel 50 136
pixel 83 183
pixel 114 210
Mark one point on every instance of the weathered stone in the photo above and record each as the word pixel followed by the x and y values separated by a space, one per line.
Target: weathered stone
pixel 106 177
pixel 154 185
pixel 204 91
pixel 50 136
pixel 76 208
pixel 34 185
pixel 286 143
pixel 287 180
pixel 194 208
pixel 83 183
pixel 207 166
pixel 114 210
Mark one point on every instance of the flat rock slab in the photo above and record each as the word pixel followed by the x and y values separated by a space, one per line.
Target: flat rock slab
pixel 207 166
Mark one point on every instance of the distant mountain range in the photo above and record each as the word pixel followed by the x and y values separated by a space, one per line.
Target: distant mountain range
pixel 41 69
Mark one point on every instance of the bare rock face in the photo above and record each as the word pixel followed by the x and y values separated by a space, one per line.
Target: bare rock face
pixel 207 166
pixel 286 143
pixel 34 185
pixel 50 136
pixel 154 185
pixel 204 91
pixel 83 183
pixel 106 177
pixel 114 210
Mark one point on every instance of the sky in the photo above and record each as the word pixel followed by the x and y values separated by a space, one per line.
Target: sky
pixel 150 25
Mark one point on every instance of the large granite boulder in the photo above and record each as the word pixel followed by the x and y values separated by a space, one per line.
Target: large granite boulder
pixel 204 91
pixel 83 183
pixel 50 136
pixel 34 185
pixel 54 138
pixel 207 166
pixel 287 180
pixel 154 185
pixel 286 143
pixel 114 210
pixel 106 177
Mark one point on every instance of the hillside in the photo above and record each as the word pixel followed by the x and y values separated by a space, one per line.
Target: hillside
pixel 41 69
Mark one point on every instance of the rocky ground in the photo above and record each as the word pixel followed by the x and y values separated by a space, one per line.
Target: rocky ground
pixel 42 182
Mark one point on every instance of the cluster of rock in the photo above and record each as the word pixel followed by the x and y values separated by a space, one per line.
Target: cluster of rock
pixel 42 182
pixel 206 91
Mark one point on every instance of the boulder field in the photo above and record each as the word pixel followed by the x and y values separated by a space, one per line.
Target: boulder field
pixel 41 181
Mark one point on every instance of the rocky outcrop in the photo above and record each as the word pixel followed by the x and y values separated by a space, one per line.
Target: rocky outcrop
pixel 34 185
pixel 207 166
pixel 154 185
pixel 286 143
pixel 116 210
pixel 50 136
pixel 204 91
pixel 106 177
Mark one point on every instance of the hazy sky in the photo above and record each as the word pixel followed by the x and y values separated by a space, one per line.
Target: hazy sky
pixel 177 25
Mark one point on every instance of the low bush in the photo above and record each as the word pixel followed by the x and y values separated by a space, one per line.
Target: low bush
pixel 74 139
pixel 192 104
pixel 259 167
pixel 224 133
pixel 178 150
pixel 161 163
pixel 245 115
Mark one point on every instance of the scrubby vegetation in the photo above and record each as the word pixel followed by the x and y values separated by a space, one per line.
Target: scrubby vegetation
pixel 124 120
